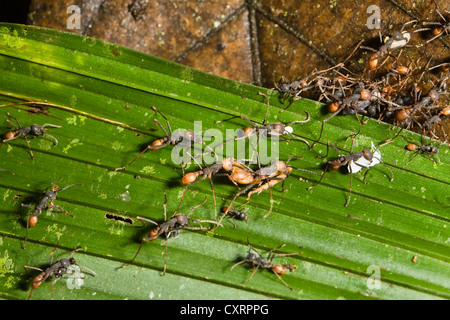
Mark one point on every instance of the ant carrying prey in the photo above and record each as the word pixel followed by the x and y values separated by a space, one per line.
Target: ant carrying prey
pixel 355 161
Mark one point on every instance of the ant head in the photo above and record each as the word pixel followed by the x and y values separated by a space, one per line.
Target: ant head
pixel 227 164
pixel 278 128
pixel 37 130
pixel 182 219
pixel 66 262
pixel 367 154
pixel 281 166
pixel 285 88
pixel 51 195
pixel 288 130
pixel 242 216
pixel 189 135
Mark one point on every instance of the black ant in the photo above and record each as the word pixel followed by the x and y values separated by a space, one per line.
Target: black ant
pixel 236 214
pixel 274 129
pixel 180 138
pixel 355 161
pixel 256 260
pixel 28 132
pixel 169 228
pixel 428 149
pixel 45 204
pixel 55 270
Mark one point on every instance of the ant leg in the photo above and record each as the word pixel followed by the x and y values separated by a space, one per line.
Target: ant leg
pixel 350 190
pixel 323 174
pixel 29 147
pixel 271 203
pixel 165 258
pixel 323 123
pixel 412 158
pixel 278 276
pixel 52 137
pixel 121 168
pixel 132 260
pixel 254 270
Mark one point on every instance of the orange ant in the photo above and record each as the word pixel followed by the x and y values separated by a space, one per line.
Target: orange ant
pixel 169 228
pixel 207 172
pixel 256 260
pixel 265 178
pixel 45 204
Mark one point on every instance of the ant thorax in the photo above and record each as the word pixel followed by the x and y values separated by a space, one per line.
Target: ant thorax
pixel 356 165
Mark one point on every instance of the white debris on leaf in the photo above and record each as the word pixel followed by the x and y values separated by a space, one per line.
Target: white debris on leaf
pixel 356 166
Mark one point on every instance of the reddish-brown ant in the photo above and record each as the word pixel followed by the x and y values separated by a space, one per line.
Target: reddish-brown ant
pixel 355 161
pixel 256 260
pixel 44 204
pixel 207 172
pixel 169 228
pixel 264 177
pixel 28 132
pixel 55 270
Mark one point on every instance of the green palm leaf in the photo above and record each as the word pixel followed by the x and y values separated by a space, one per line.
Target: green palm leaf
pixel 101 94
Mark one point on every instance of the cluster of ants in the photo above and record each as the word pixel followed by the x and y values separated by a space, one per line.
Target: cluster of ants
pixel 391 86
pixel 397 94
